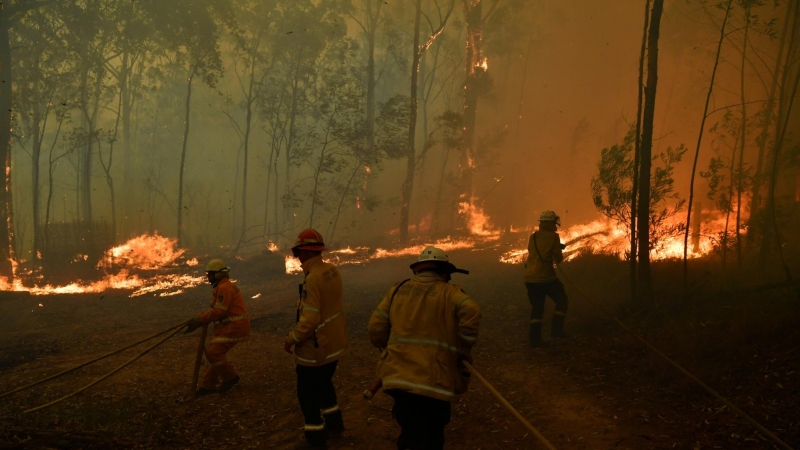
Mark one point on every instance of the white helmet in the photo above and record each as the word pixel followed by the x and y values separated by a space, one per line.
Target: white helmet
pixel 550 216
pixel 437 257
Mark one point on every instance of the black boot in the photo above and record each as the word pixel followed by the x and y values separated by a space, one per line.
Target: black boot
pixel 535 334
pixel 557 331
pixel 334 424
pixel 227 385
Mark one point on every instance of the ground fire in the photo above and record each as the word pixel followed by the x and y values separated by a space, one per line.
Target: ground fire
pixel 409 224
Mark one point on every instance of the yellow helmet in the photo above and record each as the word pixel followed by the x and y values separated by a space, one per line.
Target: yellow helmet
pixel 217 265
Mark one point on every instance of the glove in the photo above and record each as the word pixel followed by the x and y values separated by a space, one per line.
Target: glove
pixel 194 324
pixel 287 347
pixel 563 246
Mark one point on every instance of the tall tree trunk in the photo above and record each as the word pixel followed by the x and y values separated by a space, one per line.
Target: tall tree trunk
pixel 474 70
pixel 740 177
pixel 6 205
pixel 35 195
pixel 637 152
pixel 763 139
pixel 517 145
pixel 411 155
pixel 287 210
pixel 127 157
pixel 645 277
pixel 371 72
pixel 183 154
pixel 247 129
pixel 51 168
pixel 781 120
pixel 697 152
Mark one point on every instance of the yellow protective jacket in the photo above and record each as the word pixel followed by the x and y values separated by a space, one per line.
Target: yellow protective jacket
pixel 544 252
pixel 421 331
pixel 229 312
pixel 319 336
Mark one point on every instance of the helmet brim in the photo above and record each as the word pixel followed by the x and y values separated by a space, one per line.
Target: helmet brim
pixel 447 266
pixel 311 247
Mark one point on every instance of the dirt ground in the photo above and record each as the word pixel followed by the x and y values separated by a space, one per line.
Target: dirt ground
pixel 598 389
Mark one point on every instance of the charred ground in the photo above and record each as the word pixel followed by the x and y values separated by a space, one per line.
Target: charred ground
pixel 598 389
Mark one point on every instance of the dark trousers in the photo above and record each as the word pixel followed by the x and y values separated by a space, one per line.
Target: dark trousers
pixel 537 293
pixel 317 398
pixel 421 419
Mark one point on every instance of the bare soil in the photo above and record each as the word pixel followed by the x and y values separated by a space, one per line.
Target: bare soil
pixel 598 389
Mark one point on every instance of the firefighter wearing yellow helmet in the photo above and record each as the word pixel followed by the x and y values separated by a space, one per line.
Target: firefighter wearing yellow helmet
pixel 232 325
pixel 425 328
pixel 544 252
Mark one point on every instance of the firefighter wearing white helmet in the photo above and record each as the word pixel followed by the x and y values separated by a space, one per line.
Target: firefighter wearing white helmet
pixel 425 327
pixel 544 252
pixel 232 325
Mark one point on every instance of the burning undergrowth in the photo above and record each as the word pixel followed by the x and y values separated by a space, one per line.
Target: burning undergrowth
pixel 145 264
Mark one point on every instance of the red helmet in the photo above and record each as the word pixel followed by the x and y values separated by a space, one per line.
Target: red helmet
pixel 310 239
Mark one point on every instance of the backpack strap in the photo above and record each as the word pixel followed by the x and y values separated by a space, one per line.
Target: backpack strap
pixel 391 299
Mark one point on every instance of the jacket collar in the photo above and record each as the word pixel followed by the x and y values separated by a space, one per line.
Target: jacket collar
pixel 427 277
pixel 311 263
pixel 223 280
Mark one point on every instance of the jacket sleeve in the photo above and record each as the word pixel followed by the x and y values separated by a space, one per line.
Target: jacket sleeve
pixel 558 255
pixel 310 317
pixel 469 320
pixel 219 310
pixel 379 327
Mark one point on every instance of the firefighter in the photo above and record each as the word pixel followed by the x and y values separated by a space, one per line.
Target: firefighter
pixel 425 327
pixel 319 339
pixel 544 252
pixel 232 325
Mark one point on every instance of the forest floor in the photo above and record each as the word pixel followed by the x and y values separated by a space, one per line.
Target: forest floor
pixel 598 389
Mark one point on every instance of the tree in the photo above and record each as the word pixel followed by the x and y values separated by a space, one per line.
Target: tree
pixel 644 275
pixel 418 51
pixel 193 27
pixel 697 151
pixel 10 13
pixel 612 188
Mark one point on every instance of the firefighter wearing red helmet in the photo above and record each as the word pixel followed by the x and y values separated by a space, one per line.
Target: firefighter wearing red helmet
pixel 544 252
pixel 319 339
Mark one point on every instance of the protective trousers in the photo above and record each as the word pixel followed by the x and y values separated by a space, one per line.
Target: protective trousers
pixel 317 398
pixel 218 365
pixel 421 419
pixel 537 293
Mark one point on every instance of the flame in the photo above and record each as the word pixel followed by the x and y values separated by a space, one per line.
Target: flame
pixel 192 262
pixel 146 252
pixel 292 265
pixel 272 247
pixel 604 236
pixel 478 222
pixel 483 64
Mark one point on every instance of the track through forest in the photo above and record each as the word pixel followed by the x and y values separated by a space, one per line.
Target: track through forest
pixel 594 390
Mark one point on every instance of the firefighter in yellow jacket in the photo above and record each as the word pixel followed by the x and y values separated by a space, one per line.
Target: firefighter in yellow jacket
pixel 425 327
pixel 544 252
pixel 232 325
pixel 319 339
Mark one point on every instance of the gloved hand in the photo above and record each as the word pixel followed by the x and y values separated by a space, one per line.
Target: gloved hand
pixel 287 347
pixel 563 246
pixel 194 324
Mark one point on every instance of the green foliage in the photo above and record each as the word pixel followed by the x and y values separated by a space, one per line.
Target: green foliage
pixel 613 184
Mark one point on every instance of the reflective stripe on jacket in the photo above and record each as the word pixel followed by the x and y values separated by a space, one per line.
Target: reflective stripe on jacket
pixel 423 329
pixel 229 312
pixel 320 336
pixel 544 251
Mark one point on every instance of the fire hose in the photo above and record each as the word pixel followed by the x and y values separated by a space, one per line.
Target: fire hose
pixel 370 392
pixel 780 443
pixel 175 330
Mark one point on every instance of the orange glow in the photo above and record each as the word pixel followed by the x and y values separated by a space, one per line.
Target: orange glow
pixel 604 236
pixel 478 222
pixel 272 247
pixel 146 252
